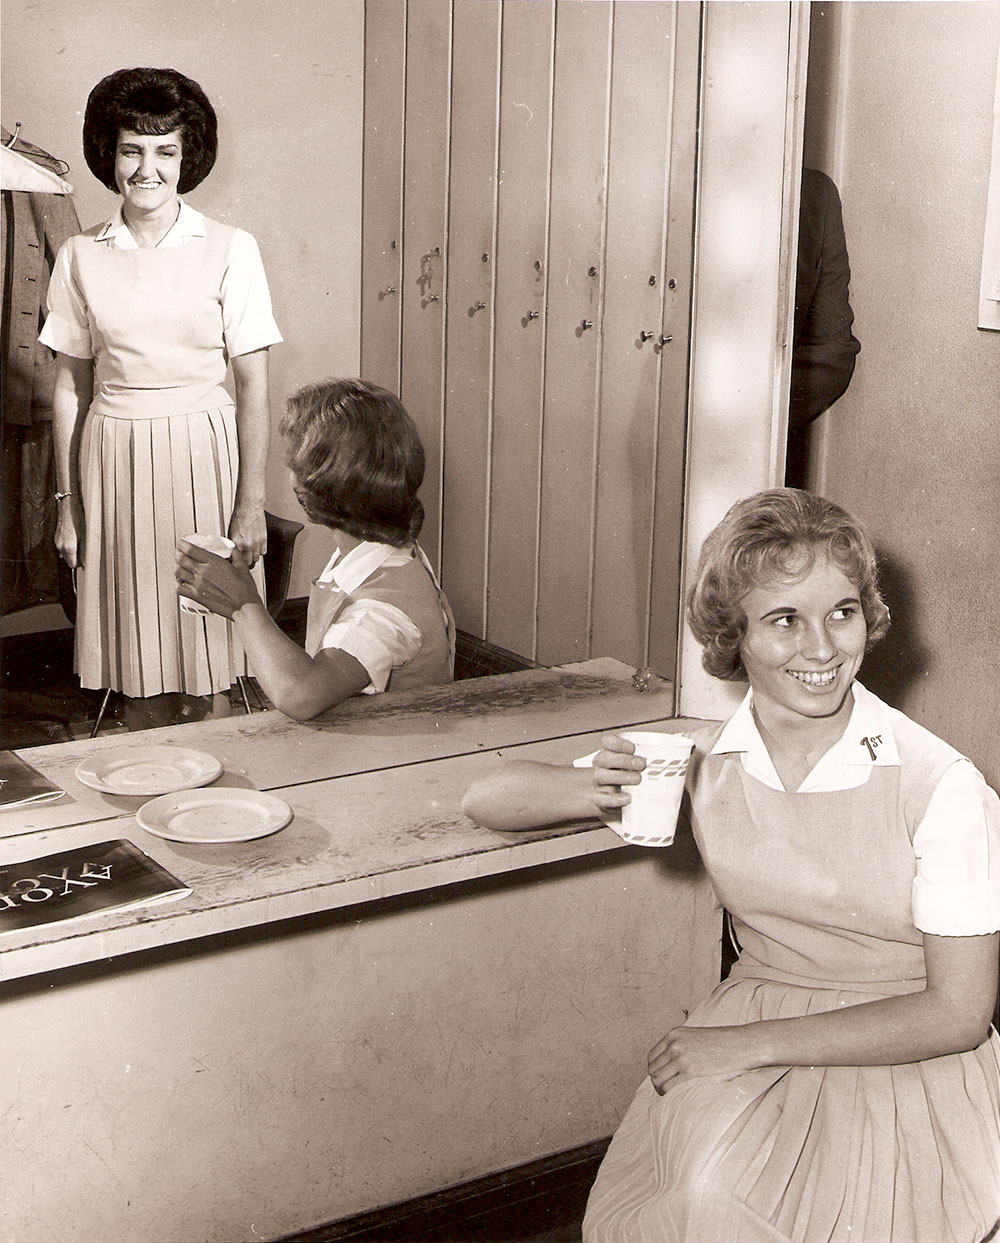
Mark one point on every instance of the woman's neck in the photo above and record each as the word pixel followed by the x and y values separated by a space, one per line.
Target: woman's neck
pixel 796 743
pixel 150 229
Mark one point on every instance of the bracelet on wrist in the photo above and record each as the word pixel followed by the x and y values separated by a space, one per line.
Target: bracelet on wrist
pixel 61 496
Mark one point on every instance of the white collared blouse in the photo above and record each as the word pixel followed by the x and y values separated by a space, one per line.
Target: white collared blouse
pixel 377 634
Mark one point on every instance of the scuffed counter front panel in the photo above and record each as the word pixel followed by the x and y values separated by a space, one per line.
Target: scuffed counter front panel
pixel 287 1080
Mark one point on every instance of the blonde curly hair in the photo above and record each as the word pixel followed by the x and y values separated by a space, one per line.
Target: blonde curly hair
pixel 761 539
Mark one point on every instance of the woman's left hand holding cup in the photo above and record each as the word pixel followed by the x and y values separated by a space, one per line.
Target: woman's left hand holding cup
pixel 220 585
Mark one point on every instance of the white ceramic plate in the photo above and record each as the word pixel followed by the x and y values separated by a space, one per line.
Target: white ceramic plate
pixel 208 816
pixel 148 770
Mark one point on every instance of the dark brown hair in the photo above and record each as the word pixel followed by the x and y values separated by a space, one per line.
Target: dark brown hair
pixel 357 459
pixel 760 540
pixel 149 101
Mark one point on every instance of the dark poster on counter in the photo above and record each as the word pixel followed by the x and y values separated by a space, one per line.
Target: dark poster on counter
pixel 21 783
pixel 103 877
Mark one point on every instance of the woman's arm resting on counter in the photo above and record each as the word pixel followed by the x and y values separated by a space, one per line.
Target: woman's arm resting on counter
pixel 526 794
pixel 300 685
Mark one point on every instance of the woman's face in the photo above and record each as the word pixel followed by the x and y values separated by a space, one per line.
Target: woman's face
pixel 805 640
pixel 147 169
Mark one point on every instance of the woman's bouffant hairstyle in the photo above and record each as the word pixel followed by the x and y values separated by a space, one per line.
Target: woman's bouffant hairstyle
pixel 149 101
pixel 357 460
pixel 761 541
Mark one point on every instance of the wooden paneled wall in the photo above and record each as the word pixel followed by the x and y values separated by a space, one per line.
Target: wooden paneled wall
pixel 529 175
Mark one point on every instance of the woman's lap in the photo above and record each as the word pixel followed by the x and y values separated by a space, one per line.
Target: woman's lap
pixel 881 1154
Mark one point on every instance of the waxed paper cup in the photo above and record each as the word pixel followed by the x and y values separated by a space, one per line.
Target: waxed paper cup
pixel 218 544
pixel 650 819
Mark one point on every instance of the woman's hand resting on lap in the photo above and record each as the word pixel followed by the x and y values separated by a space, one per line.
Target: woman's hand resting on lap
pixel 693 1052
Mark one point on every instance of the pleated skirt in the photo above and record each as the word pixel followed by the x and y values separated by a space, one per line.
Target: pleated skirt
pixel 842 1154
pixel 146 482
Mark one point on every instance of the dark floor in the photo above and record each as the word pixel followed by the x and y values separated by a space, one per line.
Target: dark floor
pixel 540 1203
pixel 41 702
pixel 40 699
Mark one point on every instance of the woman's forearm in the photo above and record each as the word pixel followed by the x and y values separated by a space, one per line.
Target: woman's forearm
pixel 951 1014
pixel 253 424
pixel 887 1032
pixel 295 682
pixel 529 795
pixel 72 394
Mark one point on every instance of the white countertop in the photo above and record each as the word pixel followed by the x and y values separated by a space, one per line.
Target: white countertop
pixel 375 788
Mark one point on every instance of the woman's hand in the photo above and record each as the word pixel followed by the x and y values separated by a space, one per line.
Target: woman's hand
pixel 70 529
pixel 691 1052
pixel 220 585
pixel 248 531
pixel 614 766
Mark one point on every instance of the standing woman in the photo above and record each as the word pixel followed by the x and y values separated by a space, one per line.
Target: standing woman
pixel 145 312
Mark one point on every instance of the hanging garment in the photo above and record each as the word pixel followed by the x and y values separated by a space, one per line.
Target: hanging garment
pixel 35 223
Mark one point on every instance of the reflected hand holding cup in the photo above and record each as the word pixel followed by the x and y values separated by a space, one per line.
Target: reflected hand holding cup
pixel 213 576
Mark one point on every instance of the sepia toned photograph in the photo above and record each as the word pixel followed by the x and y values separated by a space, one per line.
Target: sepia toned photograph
pixel 499 621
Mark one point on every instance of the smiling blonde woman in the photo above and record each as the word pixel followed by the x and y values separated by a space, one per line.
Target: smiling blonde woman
pixel 842 1085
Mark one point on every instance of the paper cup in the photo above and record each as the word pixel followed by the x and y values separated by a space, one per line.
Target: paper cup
pixel 650 819
pixel 218 544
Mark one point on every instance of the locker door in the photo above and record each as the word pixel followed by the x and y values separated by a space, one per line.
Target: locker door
pixel 574 320
pixel 382 191
pixel 469 332
pixel 426 129
pixel 680 138
pixel 631 353
pixel 528 46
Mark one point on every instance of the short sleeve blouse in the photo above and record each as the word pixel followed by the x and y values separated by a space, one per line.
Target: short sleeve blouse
pixel 247 322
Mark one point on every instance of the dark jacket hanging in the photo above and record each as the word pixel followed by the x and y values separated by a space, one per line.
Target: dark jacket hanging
pixel 34 227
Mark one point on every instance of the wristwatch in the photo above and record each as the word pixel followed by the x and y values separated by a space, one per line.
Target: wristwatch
pixel 61 496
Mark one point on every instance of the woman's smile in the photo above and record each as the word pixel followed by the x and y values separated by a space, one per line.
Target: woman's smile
pixel 819 680
pixel 147 171
pixel 805 639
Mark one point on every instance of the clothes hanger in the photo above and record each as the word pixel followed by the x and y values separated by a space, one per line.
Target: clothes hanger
pixel 63 167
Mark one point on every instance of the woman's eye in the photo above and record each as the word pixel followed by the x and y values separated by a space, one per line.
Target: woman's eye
pixel 785 622
pixel 844 614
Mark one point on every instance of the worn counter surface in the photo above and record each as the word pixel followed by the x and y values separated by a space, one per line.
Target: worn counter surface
pixel 375 788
